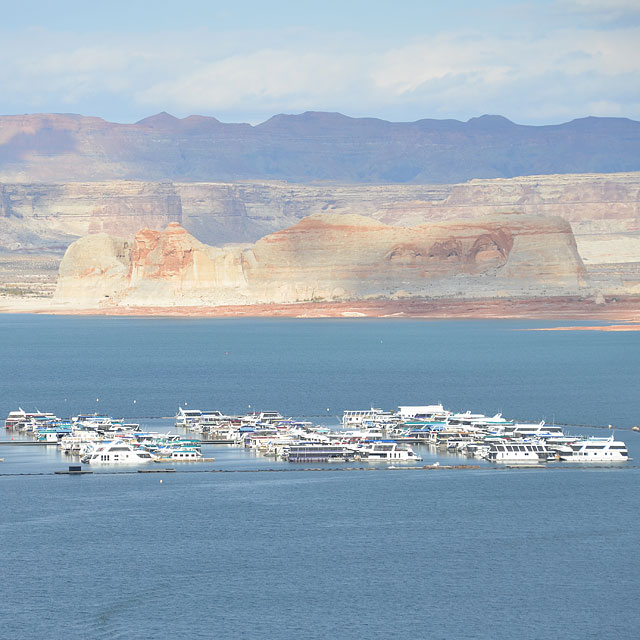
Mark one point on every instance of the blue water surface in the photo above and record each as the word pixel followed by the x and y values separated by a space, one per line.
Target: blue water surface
pixel 317 367
pixel 476 553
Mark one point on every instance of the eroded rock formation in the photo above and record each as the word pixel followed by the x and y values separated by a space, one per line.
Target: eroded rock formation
pixel 327 257
pixel 604 210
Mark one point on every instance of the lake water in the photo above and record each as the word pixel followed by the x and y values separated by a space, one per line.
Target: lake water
pixel 478 553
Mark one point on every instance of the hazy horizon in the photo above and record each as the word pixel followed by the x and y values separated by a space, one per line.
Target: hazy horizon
pixel 534 63
pixel 311 111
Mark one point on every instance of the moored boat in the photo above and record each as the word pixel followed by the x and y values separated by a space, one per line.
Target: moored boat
pixel 316 452
pixel 595 449
pixel 179 454
pixel 116 452
pixel 387 451
pixel 519 453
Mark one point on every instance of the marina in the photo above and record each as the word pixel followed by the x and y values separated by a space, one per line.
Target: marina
pixel 388 436
pixel 402 437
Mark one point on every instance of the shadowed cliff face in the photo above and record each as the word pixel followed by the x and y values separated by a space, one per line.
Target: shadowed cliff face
pixel 330 257
pixel 309 147
pixel 150 205
pixel 20 148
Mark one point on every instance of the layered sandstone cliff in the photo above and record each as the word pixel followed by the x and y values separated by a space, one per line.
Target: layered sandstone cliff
pixel 604 210
pixel 325 258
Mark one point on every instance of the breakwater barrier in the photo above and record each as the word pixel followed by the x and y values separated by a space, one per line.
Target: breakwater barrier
pixel 391 468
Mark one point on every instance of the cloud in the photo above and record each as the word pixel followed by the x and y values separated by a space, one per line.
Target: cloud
pixel 273 77
pixel 547 76
pixel 601 6
pixel 493 61
pixel 602 14
pixel 449 72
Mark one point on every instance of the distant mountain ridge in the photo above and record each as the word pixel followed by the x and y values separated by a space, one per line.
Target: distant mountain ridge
pixel 312 146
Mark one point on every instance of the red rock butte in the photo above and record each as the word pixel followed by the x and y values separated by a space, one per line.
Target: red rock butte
pixel 326 258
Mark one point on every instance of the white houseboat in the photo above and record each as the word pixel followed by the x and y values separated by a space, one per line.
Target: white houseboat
pixel 519 453
pixel 115 452
pixel 387 451
pixel 594 450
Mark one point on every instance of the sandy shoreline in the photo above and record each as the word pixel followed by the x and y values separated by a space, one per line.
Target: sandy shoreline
pixel 624 312
pixel 614 327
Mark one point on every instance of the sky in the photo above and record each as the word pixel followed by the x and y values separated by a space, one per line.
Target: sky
pixel 542 62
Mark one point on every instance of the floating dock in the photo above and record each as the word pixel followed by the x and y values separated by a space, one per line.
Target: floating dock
pixel 27 443
pixel 73 471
